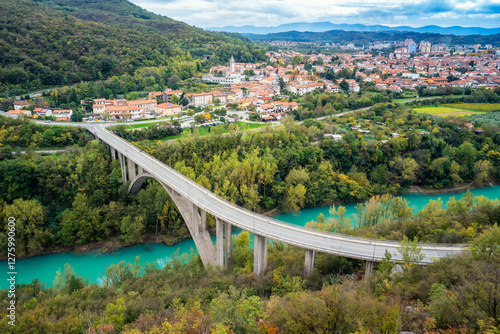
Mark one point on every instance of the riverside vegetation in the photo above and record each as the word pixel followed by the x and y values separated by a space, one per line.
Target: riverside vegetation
pixel 453 295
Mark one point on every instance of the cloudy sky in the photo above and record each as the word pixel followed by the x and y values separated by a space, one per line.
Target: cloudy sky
pixel 416 13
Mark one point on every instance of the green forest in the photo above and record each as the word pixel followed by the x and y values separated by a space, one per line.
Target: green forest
pixel 42 46
pixel 76 197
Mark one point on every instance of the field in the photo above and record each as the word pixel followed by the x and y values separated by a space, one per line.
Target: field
pixel 462 109
pixel 201 131
pixel 142 125
pixel 476 106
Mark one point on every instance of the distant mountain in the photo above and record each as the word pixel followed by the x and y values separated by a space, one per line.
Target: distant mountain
pixel 363 38
pixel 326 26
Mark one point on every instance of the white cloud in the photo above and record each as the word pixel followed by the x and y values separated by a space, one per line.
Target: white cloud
pixel 218 13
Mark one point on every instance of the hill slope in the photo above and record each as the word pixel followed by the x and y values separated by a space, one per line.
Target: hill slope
pixel 41 45
pixel 126 15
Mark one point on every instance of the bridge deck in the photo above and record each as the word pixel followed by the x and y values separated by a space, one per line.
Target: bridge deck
pixel 352 247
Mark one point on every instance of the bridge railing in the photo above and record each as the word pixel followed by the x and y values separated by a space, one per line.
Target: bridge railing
pixel 190 189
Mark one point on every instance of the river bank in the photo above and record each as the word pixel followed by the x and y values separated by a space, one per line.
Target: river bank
pixel 441 191
pixel 412 190
pixel 92 264
pixel 115 243
pixel 108 246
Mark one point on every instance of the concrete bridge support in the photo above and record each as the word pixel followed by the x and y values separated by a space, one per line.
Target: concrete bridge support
pixel 194 217
pixel 309 264
pixel 113 153
pixel 199 220
pixel 131 169
pixel 219 244
pixel 259 254
pixel 368 269
pixel 223 243
pixel 228 248
pixel 196 222
pixel 121 157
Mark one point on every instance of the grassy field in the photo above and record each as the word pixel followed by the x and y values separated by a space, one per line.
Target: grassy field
pixel 461 109
pixel 56 156
pixel 142 125
pixel 446 111
pixel 476 106
pixel 410 97
pixel 203 131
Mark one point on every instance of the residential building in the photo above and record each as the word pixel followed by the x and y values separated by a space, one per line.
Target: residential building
pixel 20 104
pixel 168 109
pixel 20 112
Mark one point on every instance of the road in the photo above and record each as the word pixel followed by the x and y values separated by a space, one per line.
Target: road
pixel 39 93
pixel 342 245
pixel 41 151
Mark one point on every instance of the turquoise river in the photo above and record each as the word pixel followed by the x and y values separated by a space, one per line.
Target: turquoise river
pixel 92 265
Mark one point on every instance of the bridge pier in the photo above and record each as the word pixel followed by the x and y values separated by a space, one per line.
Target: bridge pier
pixel 368 269
pixel 113 153
pixel 223 243
pixel 199 220
pixel 259 254
pixel 203 222
pixel 123 167
pixel 219 244
pixel 193 220
pixel 309 264
pixel 227 241
pixel 131 169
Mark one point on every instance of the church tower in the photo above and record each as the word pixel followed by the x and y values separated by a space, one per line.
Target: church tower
pixel 231 64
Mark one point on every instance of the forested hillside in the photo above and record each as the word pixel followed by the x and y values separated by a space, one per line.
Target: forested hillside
pixel 126 15
pixel 89 40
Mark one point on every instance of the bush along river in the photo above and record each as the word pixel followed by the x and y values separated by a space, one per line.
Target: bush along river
pixel 92 265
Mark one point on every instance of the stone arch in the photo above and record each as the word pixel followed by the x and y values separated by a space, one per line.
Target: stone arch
pixel 194 217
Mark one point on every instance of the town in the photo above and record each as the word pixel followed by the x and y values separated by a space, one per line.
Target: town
pixel 266 90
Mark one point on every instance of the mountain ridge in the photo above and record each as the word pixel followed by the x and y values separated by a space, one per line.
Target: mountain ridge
pixel 363 38
pixel 327 26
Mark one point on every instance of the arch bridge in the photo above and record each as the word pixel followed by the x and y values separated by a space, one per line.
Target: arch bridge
pixel 194 202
